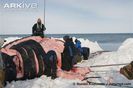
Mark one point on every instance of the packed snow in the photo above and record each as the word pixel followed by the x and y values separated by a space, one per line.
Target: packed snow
pixel 109 74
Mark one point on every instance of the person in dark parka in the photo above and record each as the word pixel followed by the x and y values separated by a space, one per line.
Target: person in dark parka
pixel 68 54
pixel 38 28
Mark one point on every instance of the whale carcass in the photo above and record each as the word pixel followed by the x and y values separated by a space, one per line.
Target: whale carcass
pixel 33 56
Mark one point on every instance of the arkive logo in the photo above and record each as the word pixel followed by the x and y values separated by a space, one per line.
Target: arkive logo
pixel 21 5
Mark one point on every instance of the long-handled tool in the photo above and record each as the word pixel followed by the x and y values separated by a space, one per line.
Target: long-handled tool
pixel 108 65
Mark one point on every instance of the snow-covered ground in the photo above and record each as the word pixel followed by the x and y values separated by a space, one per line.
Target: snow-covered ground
pixel 108 74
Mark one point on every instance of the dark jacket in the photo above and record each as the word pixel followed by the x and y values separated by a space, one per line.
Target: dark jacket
pixel 68 54
pixel 69 47
pixel 38 30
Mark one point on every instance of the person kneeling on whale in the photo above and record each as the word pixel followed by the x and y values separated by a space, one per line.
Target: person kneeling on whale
pixel 38 29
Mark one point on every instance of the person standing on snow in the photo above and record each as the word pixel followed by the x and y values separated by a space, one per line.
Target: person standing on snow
pixel 38 29
pixel 84 51
pixel 68 54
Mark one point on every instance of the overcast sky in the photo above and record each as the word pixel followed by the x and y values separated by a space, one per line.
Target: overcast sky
pixel 70 16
